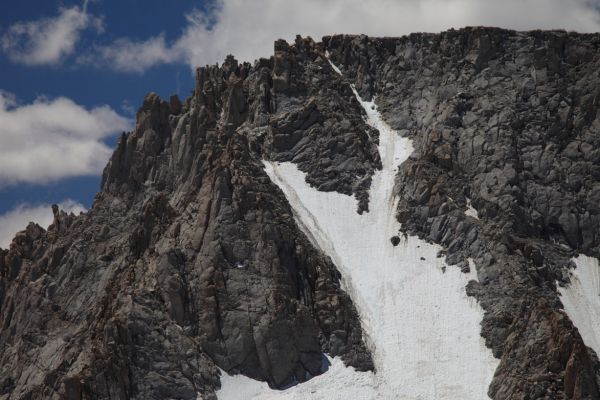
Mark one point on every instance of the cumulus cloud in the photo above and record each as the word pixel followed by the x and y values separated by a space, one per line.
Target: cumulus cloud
pixel 248 30
pixel 17 219
pixel 48 40
pixel 52 139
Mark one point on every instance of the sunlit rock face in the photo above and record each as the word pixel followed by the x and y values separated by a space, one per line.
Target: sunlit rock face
pixel 352 218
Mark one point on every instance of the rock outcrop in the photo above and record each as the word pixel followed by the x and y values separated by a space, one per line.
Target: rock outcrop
pixel 190 259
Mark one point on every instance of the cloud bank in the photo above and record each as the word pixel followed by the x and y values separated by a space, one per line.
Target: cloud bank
pixel 52 139
pixel 47 41
pixel 248 30
pixel 17 219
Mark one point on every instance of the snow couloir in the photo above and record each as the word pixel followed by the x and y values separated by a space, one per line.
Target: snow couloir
pixel 422 328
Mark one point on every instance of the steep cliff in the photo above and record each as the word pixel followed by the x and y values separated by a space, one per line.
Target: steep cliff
pixel 191 258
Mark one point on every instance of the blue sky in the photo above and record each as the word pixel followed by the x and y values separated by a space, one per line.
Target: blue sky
pixel 73 72
pixel 89 85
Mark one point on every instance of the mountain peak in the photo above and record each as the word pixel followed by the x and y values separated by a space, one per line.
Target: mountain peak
pixel 248 230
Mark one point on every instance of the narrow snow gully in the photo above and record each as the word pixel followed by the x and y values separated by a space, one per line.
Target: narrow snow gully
pixel 422 328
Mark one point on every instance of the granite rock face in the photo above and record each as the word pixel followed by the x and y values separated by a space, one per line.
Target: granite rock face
pixel 190 259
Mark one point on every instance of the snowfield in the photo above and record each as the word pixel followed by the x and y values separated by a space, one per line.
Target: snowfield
pixel 581 300
pixel 338 383
pixel 422 329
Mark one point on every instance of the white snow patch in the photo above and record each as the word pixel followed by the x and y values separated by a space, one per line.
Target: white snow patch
pixel 422 328
pixel 335 68
pixel 472 275
pixel 338 383
pixel 581 300
pixel 470 211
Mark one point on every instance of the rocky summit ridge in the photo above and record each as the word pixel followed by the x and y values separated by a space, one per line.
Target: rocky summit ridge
pixel 190 259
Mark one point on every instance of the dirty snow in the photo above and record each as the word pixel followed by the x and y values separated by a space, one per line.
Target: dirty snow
pixel 422 328
pixel 581 299
pixel 470 211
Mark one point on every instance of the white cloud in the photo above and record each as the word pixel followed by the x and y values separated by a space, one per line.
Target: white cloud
pixel 52 139
pixel 17 219
pixel 48 40
pixel 248 30
pixel 131 56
